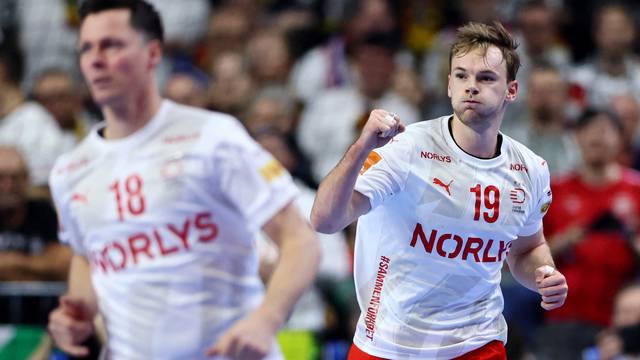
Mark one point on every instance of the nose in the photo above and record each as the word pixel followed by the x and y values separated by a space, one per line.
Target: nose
pixel 472 88
pixel 93 59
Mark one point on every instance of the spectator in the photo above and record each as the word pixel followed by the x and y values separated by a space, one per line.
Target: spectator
pixel 228 31
pixel 627 108
pixel 613 69
pixel 25 124
pixel 435 64
pixel 588 227
pixel 537 26
pixel 273 112
pixel 186 88
pixel 47 33
pixel 232 86
pixel 269 58
pixel 328 66
pixel 57 91
pixel 29 250
pixel 28 242
pixel 542 128
pixel 622 340
pixel 331 123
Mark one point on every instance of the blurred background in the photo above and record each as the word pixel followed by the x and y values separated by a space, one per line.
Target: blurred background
pixel 302 76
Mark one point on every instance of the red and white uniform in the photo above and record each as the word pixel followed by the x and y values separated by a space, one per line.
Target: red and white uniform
pixel 168 219
pixel 429 253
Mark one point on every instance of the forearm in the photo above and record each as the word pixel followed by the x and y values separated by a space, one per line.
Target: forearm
pixel 523 265
pixel 332 209
pixel 293 274
pixel 79 284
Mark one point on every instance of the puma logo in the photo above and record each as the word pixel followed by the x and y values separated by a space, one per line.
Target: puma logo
pixel 79 198
pixel 445 186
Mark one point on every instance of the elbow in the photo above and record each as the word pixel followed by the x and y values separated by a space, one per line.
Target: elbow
pixel 322 223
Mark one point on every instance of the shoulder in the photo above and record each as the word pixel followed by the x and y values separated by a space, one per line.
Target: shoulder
pixel 521 157
pixel 213 126
pixel 187 115
pixel 427 129
pixel 70 163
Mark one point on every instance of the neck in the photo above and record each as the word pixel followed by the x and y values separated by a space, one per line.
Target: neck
pixel 480 141
pixel 601 174
pixel 125 118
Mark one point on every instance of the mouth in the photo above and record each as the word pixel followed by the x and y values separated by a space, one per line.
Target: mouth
pixel 471 102
pixel 101 81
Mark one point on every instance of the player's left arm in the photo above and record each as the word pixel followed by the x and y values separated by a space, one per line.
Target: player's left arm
pixel 296 268
pixel 532 266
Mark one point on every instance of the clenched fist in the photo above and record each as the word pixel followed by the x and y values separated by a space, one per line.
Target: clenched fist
pixel 380 128
pixel 552 286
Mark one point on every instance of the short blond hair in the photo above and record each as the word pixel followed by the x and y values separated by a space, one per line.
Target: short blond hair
pixel 481 36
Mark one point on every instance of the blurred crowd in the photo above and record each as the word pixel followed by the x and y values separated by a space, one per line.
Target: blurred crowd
pixel 303 75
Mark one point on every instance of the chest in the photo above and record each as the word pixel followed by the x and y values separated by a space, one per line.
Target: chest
pixel 455 191
pixel 146 186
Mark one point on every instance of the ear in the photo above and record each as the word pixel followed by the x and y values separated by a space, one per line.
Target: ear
pixel 155 53
pixel 449 85
pixel 512 91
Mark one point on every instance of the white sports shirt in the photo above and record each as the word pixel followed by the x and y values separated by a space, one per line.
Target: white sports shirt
pixel 429 253
pixel 168 219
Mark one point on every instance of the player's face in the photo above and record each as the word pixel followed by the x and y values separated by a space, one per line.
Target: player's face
pixel 478 85
pixel 115 59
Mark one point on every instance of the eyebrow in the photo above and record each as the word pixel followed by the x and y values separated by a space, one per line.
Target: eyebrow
pixel 486 71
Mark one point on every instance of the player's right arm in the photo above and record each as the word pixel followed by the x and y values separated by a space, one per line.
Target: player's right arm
pixel 337 204
pixel 71 323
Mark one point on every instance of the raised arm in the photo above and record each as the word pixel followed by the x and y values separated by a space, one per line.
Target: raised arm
pixel 337 204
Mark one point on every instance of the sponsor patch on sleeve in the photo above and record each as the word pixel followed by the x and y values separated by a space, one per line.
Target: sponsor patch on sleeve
pixel 271 170
pixel 372 159
pixel 545 207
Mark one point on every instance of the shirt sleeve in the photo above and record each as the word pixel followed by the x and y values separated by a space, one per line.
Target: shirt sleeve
pixel 385 171
pixel 250 178
pixel 68 232
pixel 541 203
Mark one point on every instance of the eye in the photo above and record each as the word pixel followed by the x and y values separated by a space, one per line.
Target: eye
pixel 83 48
pixel 111 43
pixel 486 78
pixel 460 76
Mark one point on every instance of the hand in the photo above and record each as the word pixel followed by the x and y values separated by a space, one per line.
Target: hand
pixel 249 338
pixel 70 324
pixel 552 285
pixel 380 128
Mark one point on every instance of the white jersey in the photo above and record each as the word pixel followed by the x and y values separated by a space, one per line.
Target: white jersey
pixel 429 253
pixel 168 219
